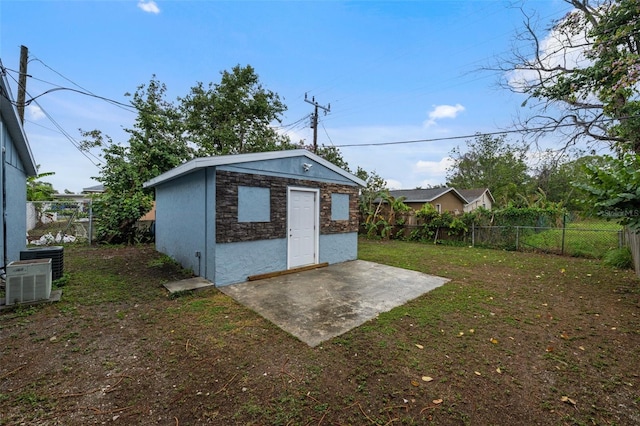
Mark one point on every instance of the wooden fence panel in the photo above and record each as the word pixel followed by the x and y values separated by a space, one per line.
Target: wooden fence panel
pixel 633 240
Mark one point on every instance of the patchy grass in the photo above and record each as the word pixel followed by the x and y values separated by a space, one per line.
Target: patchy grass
pixel 513 338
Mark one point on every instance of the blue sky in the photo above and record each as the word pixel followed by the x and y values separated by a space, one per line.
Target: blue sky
pixel 392 71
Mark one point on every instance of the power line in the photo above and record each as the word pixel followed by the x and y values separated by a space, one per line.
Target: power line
pixel 116 103
pixel 128 107
pixel 75 143
pixel 504 132
pixel 327 133
pixel 28 101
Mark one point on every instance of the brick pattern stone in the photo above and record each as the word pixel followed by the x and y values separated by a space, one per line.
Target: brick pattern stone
pixel 228 229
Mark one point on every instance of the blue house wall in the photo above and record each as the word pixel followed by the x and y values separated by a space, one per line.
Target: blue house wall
pixel 16 164
pixel 231 213
pixel 16 203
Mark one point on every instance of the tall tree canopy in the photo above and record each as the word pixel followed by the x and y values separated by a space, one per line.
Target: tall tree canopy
pixel 489 162
pixel 233 116
pixel 582 77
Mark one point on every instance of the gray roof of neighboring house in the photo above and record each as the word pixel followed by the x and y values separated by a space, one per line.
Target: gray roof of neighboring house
pixel 473 194
pixel 95 188
pixel 424 195
pixel 223 160
pixel 14 126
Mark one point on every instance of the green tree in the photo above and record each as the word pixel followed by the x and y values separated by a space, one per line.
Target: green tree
pixel 489 162
pixel 124 201
pixel 557 179
pixel 156 144
pixel 157 141
pixel 37 190
pixel 371 198
pixel 582 78
pixel 233 116
pixel 614 189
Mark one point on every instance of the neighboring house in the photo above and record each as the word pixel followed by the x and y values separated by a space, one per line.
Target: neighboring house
pixel 16 165
pixel 443 199
pixel 96 189
pixel 477 198
pixel 235 216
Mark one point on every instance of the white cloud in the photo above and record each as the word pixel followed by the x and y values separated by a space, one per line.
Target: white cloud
pixel 431 172
pixel 35 113
pixel 443 111
pixel 149 6
pixel 433 167
pixel 393 184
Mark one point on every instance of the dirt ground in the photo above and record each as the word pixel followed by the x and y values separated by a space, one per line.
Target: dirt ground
pixel 513 339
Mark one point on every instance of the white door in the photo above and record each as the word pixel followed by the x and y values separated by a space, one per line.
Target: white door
pixel 303 227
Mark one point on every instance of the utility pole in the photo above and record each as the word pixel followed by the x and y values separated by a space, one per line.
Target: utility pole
pixel 314 118
pixel 22 82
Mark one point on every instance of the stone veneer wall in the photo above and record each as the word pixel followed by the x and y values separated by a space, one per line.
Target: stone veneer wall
pixel 229 230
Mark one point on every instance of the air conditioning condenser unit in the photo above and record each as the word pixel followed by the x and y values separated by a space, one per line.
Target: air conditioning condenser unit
pixel 28 281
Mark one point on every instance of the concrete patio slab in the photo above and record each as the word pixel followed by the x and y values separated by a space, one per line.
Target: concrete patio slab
pixel 55 296
pixel 320 304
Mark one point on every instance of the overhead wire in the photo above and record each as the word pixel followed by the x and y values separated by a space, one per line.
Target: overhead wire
pixel 61 130
pixel 448 138
pixel 341 113
pixel 127 107
pixel 70 138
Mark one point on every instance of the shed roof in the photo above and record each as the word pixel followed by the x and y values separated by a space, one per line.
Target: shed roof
pixel 225 160
pixel 14 126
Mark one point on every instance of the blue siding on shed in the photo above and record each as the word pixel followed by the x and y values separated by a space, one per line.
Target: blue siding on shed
pixel 336 248
pixel 181 220
pixel 209 253
pixel 237 261
pixel 186 215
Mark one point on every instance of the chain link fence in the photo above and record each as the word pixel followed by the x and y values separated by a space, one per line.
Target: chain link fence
pixel 572 241
pixel 54 222
pixel 579 239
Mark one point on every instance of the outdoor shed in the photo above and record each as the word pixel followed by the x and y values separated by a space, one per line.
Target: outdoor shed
pixel 235 216
pixel 15 166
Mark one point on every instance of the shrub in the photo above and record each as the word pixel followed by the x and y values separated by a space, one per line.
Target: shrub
pixel 619 258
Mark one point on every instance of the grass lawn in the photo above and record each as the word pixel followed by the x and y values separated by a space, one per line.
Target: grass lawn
pixel 513 338
pixel 583 238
